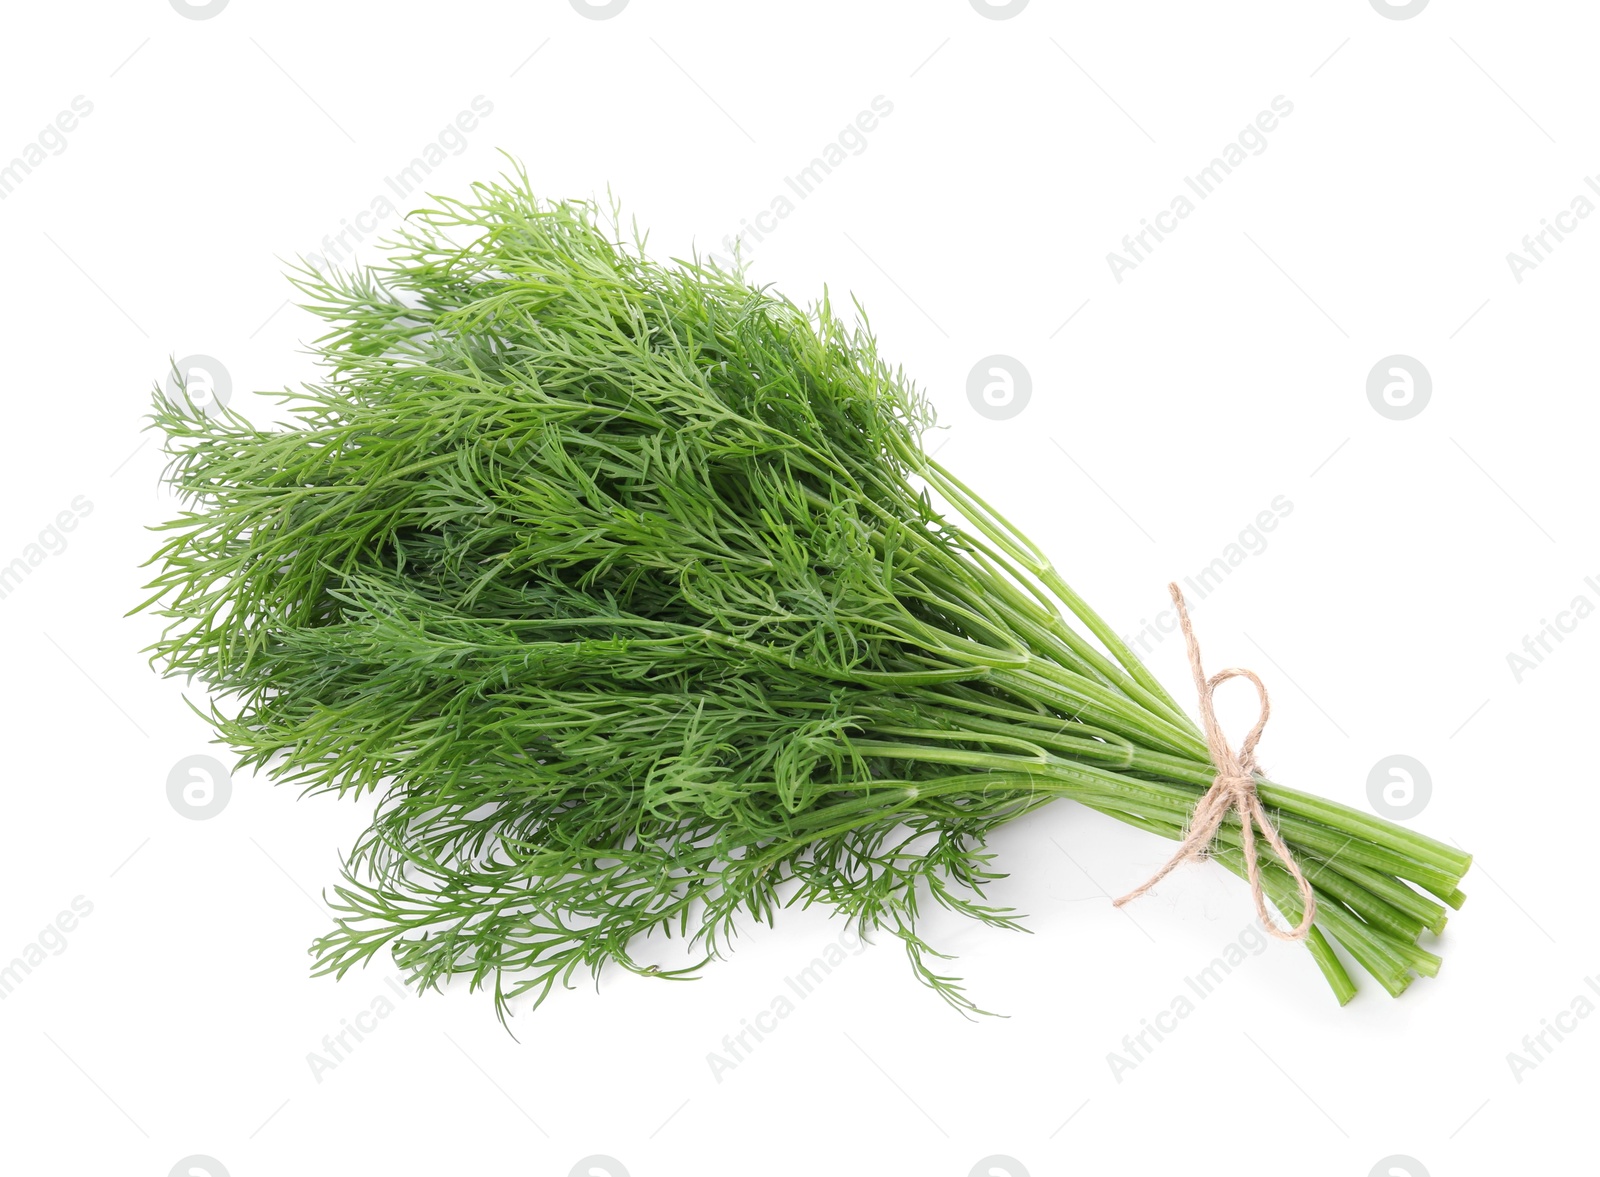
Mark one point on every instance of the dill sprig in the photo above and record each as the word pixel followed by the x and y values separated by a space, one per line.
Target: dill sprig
pixel 630 591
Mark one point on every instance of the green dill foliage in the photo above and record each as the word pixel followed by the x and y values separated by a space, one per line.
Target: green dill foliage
pixel 630 591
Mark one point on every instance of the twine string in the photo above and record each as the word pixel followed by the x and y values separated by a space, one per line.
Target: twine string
pixel 1234 788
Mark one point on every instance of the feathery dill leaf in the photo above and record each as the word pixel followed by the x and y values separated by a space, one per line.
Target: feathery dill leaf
pixel 623 584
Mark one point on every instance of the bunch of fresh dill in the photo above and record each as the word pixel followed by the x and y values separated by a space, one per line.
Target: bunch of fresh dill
pixel 630 590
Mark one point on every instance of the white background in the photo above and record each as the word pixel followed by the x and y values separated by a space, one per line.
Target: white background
pixel 1227 369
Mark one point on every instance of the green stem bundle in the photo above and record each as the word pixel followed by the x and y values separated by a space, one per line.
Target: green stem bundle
pixel 626 587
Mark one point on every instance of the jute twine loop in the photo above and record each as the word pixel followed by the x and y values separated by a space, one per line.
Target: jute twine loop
pixel 1233 788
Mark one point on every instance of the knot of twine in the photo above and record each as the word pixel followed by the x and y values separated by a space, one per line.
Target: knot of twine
pixel 1233 788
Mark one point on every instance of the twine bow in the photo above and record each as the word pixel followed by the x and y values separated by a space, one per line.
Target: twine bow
pixel 1233 788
